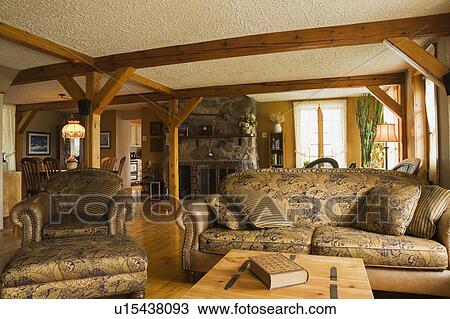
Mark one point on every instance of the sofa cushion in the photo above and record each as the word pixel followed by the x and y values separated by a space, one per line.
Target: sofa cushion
pixel 76 258
pixel 71 226
pixel 228 214
pixel 432 204
pixel 95 198
pixel 379 250
pixel 319 196
pixel 389 208
pixel 285 239
pixel 262 211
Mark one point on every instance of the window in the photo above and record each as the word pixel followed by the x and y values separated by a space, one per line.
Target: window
pixel 320 131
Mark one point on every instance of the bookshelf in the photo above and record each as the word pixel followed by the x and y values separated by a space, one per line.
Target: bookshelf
pixel 276 157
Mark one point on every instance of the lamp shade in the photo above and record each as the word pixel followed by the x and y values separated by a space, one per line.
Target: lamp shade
pixel 386 133
pixel 73 129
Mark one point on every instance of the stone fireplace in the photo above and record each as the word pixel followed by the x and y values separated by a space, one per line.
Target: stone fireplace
pixel 205 160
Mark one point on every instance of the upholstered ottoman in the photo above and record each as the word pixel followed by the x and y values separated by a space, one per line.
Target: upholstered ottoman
pixel 77 267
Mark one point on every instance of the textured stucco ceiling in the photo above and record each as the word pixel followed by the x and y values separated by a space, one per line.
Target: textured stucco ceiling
pixel 106 27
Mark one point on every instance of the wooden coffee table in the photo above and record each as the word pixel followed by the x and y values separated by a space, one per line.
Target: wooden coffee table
pixel 352 280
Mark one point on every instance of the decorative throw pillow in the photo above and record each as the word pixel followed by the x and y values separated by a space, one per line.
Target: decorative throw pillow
pixel 388 208
pixel 432 204
pixel 228 214
pixel 262 210
pixel 95 199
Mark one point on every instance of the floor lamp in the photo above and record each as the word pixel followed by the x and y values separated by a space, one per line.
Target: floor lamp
pixel 386 133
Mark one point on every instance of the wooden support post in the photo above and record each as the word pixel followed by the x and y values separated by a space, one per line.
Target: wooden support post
pixel 174 190
pixel 22 124
pixel 92 123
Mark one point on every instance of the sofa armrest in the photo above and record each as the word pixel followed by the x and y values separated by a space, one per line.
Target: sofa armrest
pixel 443 230
pixel 30 215
pixel 121 209
pixel 194 218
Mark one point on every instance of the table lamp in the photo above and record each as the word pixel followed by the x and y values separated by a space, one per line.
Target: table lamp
pixel 386 133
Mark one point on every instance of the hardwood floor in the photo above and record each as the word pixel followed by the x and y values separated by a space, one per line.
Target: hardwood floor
pixel 160 237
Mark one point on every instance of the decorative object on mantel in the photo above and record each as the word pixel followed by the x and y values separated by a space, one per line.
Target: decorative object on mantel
pixel 183 130
pixel 205 129
pixel 248 123
pixel 72 162
pixel 277 119
pixel 73 129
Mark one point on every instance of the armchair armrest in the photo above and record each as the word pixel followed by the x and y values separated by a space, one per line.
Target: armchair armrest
pixel 30 215
pixel 443 230
pixel 121 209
pixel 194 218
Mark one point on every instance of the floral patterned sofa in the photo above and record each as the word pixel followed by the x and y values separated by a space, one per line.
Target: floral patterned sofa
pixel 394 263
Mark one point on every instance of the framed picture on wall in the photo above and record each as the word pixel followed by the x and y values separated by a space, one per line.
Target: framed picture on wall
pixel 38 143
pixel 105 139
pixel 156 128
pixel 156 145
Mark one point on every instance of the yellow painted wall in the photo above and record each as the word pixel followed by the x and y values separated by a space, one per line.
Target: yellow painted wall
pixel 108 123
pixel 154 157
pixel 265 126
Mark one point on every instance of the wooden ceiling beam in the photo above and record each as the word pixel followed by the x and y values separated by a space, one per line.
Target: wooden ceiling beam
pixel 306 39
pixel 419 58
pixel 388 101
pixel 241 89
pixel 72 87
pixel 148 83
pixel 43 45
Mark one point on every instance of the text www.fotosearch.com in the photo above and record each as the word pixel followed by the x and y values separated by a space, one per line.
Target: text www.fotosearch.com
pixel 187 308
pixel 248 309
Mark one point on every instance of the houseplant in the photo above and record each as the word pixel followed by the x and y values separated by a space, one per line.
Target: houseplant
pixel 369 113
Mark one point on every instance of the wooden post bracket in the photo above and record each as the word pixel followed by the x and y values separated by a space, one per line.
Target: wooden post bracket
pixel 389 102
pixel 419 59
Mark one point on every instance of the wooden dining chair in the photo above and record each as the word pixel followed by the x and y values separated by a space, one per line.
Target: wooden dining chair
pixel 321 161
pixel 51 166
pixel 32 175
pixel 409 165
pixel 121 164
pixel 108 163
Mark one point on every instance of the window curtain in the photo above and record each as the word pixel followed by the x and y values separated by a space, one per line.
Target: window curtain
pixel 431 111
pixel 306 132
pixel 334 114
pixel 9 131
